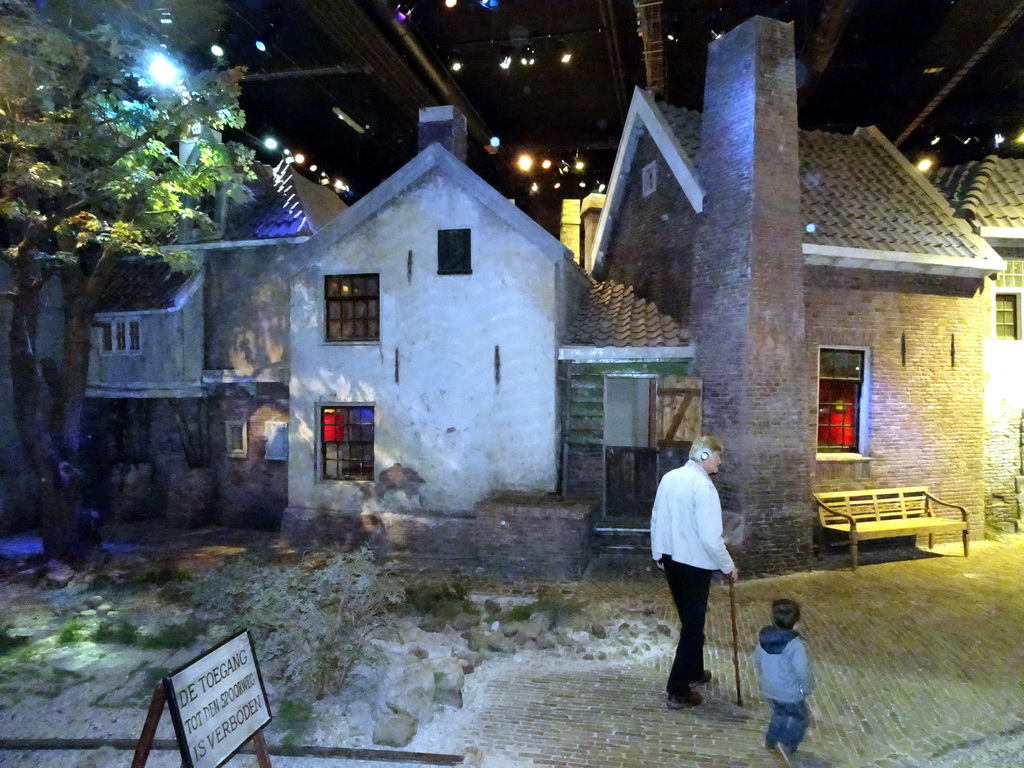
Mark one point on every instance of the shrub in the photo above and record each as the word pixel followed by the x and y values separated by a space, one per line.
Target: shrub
pixel 314 619
pixel 165 573
pixel 293 717
pixel 444 601
pixel 73 631
pixel 116 630
pixel 174 636
pixel 8 641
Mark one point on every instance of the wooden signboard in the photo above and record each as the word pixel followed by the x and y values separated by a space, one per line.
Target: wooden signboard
pixel 217 702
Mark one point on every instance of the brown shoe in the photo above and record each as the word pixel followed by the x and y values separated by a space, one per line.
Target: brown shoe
pixel 689 699
pixel 782 754
pixel 705 677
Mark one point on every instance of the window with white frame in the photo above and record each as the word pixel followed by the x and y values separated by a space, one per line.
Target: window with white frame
pixel 236 439
pixel 1009 289
pixel 122 335
pixel 276 433
pixel 842 400
pixel 649 178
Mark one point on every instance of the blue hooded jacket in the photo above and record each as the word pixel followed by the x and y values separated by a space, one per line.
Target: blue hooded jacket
pixel 781 662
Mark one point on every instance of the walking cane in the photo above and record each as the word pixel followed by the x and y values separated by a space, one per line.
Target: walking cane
pixel 735 644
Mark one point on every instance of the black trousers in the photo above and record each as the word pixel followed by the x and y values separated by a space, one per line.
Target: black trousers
pixel 689 587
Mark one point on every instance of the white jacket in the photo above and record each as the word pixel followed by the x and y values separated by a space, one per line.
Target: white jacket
pixel 686 522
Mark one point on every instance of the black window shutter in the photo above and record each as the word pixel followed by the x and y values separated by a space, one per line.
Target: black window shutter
pixel 453 252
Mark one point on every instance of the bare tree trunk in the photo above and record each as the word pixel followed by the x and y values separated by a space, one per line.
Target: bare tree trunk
pixel 57 479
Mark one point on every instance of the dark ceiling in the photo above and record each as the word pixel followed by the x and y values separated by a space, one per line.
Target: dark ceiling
pixel 919 69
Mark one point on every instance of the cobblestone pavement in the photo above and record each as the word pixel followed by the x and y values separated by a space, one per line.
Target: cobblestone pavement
pixel 919 658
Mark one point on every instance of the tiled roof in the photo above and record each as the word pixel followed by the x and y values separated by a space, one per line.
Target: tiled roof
pixel 281 204
pixel 137 284
pixel 858 194
pixel 614 316
pixel 685 124
pixel 989 192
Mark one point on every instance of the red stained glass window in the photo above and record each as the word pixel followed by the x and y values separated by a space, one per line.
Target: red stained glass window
pixel 346 442
pixel 840 383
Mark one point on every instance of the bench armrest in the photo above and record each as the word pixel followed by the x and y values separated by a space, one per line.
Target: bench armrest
pixel 963 512
pixel 849 518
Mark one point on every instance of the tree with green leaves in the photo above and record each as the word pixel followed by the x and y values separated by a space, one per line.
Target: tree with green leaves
pixel 89 174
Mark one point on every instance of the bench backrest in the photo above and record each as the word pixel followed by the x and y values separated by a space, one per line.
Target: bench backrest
pixel 873 504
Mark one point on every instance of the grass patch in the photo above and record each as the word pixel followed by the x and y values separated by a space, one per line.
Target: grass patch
pixel 117 631
pixel 292 719
pixel 10 642
pixel 73 631
pixel 558 607
pixel 444 601
pixel 174 636
pixel 164 573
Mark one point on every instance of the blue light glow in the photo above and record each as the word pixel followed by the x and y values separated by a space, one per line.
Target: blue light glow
pixel 163 71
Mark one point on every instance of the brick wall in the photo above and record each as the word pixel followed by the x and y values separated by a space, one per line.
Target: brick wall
pixel 520 535
pixel 926 380
pixel 747 294
pixel 652 240
pixel 250 491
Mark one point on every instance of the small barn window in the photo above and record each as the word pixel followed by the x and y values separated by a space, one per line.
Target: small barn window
pixel 1008 324
pixel 121 336
pixel 276 433
pixel 841 389
pixel 453 252
pixel 236 439
pixel 352 307
pixel 649 178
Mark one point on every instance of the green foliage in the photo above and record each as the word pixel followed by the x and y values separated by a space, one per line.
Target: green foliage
pixel 292 718
pixel 73 631
pixel 558 607
pixel 164 573
pixel 174 635
pixel 443 601
pixel 314 620
pixel 9 641
pixel 116 630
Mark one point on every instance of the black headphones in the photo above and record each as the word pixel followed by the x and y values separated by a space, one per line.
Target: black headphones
pixel 704 455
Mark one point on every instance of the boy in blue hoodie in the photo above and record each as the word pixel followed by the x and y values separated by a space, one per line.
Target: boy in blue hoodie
pixel 781 662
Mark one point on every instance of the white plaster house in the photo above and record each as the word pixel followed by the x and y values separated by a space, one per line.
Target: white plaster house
pixel 425 330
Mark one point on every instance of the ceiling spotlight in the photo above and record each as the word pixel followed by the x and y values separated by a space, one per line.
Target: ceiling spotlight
pixel 403 11
pixel 558 184
pixel 261 46
pixel 583 183
pixel 450 3
pixel 525 162
pixel 529 56
pixel 563 167
pixel 270 143
pixel 489 3
pixel 534 187
pixel 339 185
pixel 163 71
pixel 300 158
pixel 564 54
pixel 455 64
pixel 495 142
pixel 999 139
pixel 672 38
pixel 216 50
pixel 546 164
pixel 1020 139
pixel 936 140
pixel 506 57
pixel 579 165
pixel 313 167
pixel 924 164
pixel 601 187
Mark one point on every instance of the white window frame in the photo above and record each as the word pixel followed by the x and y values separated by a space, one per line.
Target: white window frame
pixel 275 430
pixel 1018 295
pixel 123 323
pixel 649 178
pixel 236 453
pixel 864 406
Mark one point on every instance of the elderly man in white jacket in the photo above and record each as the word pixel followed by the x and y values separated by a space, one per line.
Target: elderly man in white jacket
pixel 687 544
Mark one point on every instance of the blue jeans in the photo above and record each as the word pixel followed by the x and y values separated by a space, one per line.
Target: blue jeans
pixel 788 724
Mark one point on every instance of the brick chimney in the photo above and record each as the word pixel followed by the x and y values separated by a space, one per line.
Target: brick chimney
pixel 444 125
pixel 748 297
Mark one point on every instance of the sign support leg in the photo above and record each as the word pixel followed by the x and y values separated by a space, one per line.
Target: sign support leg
pixel 156 709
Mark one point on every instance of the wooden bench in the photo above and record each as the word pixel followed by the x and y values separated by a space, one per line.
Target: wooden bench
pixel 882 513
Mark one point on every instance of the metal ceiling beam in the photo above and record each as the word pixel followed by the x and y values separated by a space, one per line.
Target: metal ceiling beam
pixel 436 74
pixel 822 44
pixel 615 55
pixel 974 26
